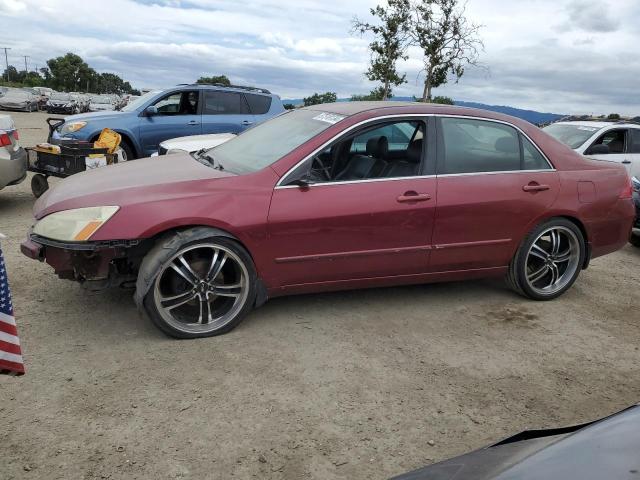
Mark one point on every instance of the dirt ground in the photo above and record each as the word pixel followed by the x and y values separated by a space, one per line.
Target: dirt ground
pixel 353 385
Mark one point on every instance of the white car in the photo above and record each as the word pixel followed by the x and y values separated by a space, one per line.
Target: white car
pixel 614 141
pixel 192 143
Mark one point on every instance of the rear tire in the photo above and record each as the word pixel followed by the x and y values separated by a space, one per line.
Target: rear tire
pixel 203 286
pixel 548 261
pixel 39 185
pixel 635 240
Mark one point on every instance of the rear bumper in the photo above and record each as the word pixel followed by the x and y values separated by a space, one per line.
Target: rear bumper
pixel 612 232
pixel 13 169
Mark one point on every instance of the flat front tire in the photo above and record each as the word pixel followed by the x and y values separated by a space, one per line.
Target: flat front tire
pixel 548 261
pixel 203 287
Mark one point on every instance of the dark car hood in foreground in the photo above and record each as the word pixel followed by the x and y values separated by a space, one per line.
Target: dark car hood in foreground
pixel 608 449
pixel 126 183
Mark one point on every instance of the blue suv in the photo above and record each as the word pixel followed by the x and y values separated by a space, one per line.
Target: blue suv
pixel 175 112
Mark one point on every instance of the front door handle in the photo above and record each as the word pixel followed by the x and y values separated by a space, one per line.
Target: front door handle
pixel 627 162
pixel 192 122
pixel 411 196
pixel 246 122
pixel 535 187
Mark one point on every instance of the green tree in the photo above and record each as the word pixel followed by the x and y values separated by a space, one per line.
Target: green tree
pixel 111 83
pixel 389 44
pixel 613 116
pixel 219 79
pixel 318 98
pixel 448 40
pixel 289 106
pixel 443 100
pixel 375 94
pixel 11 74
pixel 70 73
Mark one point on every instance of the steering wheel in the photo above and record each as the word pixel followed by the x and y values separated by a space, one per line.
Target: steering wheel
pixel 323 168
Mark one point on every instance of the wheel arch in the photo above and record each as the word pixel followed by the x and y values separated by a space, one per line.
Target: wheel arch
pixel 150 267
pixel 126 136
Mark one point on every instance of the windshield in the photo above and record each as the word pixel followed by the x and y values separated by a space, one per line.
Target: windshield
pixel 571 135
pixel 17 94
pixel 138 102
pixel 268 142
pixel 60 96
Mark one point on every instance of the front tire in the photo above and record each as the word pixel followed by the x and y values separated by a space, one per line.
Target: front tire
pixel 634 240
pixel 203 286
pixel 548 261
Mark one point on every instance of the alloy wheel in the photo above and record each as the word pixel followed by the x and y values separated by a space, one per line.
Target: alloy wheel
pixel 552 260
pixel 201 289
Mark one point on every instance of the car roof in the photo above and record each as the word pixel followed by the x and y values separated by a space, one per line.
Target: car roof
pixel 233 88
pixel 600 125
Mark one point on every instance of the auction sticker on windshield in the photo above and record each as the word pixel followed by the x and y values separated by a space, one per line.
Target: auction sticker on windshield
pixel 331 118
pixel 588 129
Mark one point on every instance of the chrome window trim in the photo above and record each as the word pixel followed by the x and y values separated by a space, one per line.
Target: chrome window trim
pixel 409 115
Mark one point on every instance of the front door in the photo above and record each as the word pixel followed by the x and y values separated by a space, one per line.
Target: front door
pixel 622 146
pixel 366 210
pixel 178 116
pixel 492 183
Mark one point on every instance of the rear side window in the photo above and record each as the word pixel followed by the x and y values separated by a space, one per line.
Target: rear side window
pixel 478 146
pixel 258 104
pixel 635 140
pixel 223 103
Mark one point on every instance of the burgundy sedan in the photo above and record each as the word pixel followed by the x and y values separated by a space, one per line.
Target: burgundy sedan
pixel 331 197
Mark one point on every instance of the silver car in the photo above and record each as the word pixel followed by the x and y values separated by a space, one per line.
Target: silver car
pixel 13 158
pixel 18 99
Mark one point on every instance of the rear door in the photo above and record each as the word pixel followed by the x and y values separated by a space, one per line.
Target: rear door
pixel 634 151
pixel 178 116
pixel 492 184
pixel 225 112
pixel 259 105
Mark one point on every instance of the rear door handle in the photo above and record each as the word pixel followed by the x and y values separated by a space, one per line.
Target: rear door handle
pixel 410 197
pixel 535 187
pixel 246 122
pixel 626 162
pixel 193 122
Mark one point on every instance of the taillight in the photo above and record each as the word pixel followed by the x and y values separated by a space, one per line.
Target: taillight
pixel 15 135
pixel 627 191
pixel 5 139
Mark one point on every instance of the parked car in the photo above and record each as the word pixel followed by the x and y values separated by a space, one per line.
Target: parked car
pixel 19 99
pixel 605 449
pixel 43 94
pixel 192 143
pixel 13 158
pixel 316 200
pixel 179 111
pixel 613 141
pixel 65 103
pixel 101 103
pixel 82 99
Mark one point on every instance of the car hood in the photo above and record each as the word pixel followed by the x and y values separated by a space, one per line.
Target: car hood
pixel 607 448
pixel 196 142
pixel 130 182
pixel 105 115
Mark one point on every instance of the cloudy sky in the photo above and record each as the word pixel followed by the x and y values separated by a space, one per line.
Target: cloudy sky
pixel 564 56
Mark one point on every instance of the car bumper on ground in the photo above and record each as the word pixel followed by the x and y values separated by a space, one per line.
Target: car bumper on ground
pixel 54 109
pixel 13 169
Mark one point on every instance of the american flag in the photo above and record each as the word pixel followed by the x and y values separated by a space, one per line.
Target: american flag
pixel 10 354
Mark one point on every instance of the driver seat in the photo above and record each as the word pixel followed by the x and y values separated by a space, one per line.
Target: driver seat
pixel 371 165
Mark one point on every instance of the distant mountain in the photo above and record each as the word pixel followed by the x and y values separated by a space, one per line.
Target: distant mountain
pixel 528 115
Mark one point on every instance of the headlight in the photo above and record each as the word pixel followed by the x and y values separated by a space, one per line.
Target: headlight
pixel 72 127
pixel 636 184
pixel 175 150
pixel 74 225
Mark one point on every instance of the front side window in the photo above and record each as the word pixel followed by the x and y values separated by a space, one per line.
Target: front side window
pixel 615 140
pixel 480 146
pixel 223 103
pixel 179 103
pixel 390 150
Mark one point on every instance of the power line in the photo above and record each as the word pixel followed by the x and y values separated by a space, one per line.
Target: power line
pixel 6 59
pixel 26 69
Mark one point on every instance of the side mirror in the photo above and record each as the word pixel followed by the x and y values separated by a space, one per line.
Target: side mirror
pixel 599 150
pixel 151 110
pixel 303 182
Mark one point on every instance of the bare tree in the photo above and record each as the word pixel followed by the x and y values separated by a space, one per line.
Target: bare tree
pixel 449 41
pixel 389 44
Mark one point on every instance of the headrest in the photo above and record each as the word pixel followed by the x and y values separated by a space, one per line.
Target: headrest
pixel 414 152
pixel 378 147
pixel 507 145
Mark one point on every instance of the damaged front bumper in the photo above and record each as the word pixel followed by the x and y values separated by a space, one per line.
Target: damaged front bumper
pixel 96 265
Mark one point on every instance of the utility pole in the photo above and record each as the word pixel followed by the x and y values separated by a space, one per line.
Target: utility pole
pixel 26 69
pixel 6 59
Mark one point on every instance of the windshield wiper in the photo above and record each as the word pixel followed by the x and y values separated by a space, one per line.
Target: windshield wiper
pixel 206 159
